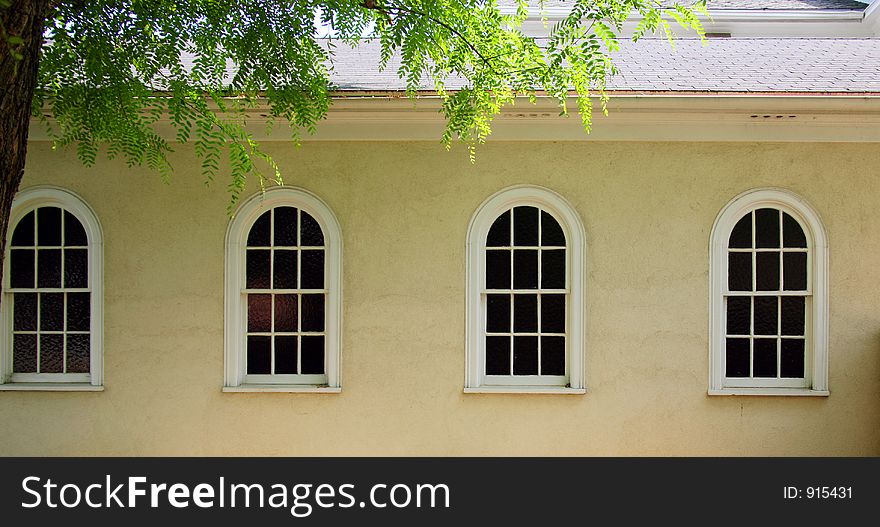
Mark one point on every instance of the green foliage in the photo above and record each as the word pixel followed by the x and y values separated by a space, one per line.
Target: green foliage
pixel 113 72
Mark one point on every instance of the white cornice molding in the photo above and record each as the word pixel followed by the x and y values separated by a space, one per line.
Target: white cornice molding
pixel 872 14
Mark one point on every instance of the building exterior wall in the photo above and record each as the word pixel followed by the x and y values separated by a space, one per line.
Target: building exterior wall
pixel 404 208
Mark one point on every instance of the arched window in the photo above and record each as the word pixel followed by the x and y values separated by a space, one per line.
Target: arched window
pixel 525 295
pixel 283 272
pixel 53 301
pixel 768 297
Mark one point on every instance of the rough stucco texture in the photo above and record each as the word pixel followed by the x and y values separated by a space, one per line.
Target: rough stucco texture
pixel 404 208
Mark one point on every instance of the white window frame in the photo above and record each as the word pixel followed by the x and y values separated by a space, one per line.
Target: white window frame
pixel 236 308
pixel 26 201
pixel 481 222
pixel 816 327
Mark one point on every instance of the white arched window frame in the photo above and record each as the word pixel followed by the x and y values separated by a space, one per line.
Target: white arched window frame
pixel 25 202
pixel 236 377
pixel 476 380
pixel 815 381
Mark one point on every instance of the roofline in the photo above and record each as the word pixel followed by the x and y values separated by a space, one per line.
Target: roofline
pixel 739 15
pixel 422 94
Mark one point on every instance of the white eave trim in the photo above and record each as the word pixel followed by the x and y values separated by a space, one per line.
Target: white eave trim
pixel 739 15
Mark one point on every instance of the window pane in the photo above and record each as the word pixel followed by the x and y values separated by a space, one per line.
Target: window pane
pixel 497 355
pixel 24 353
pixel 24 312
pixel 767 228
pixel 767 274
pixel 285 313
pixel 24 231
pixel 792 359
pixel 739 315
pixel 525 313
pixel 49 226
pixel 78 311
pixel 737 362
pixel 312 313
pixel 553 269
pixel 49 268
pixel 285 354
pixel 739 271
pixel 22 268
pixel 552 355
pixel 259 234
pixel 259 355
pixel 794 267
pixel 498 269
pixel 792 233
pixel 793 315
pixel 74 234
pixel 312 236
pixel 259 313
pixel 284 269
pixel 312 354
pixel 78 355
pixel 497 313
pixel 765 358
pixel 51 311
pixel 51 353
pixel 525 226
pixel 766 315
pixel 551 232
pixel 525 269
pixel 313 269
pixel 525 355
pixel 553 313
pixel 285 226
pixel 76 268
pixel 257 270
pixel 741 235
pixel 499 232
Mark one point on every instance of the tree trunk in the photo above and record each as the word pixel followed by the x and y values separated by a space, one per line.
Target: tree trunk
pixel 25 19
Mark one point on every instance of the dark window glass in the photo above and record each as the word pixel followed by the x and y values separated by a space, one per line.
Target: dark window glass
pixel 767 228
pixel 525 226
pixel 739 311
pixel 51 311
pixel 739 271
pixel 49 268
pixel 766 315
pixel 767 273
pixel 24 312
pixel 257 269
pixel 78 311
pixel 313 269
pixel 51 353
pixel 525 269
pixel 498 313
pixel 285 313
pixel 552 355
pixel 78 354
pixel 285 226
pixel 24 231
pixel 259 355
pixel 259 234
pixel 525 355
pixel 312 354
pixel 553 313
pixel 24 353
pixel 285 354
pixel 794 268
pixel 498 269
pixel 525 313
pixel 553 269
pixel 49 226
pixel 793 315
pixel 312 313
pixel 259 313
pixel 284 269
pixel 76 268
pixel 792 359
pixel 551 231
pixel 741 235
pixel 737 362
pixel 499 232
pixel 792 233
pixel 74 234
pixel 22 268
pixel 497 355
pixel 311 236
pixel 764 364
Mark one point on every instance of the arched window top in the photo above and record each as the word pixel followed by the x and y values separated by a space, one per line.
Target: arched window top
pixel 768 297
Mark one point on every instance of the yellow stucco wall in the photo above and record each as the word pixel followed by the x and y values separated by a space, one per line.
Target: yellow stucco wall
pixel 404 209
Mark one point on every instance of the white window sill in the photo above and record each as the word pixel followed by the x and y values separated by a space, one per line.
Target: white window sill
pixel 773 392
pixel 269 388
pixel 560 390
pixel 49 387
